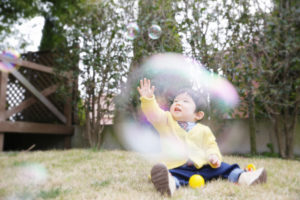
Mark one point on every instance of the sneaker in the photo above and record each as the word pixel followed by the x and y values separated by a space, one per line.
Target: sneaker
pixel 162 179
pixel 253 177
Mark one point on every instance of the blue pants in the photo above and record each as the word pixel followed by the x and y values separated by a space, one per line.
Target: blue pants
pixel 184 172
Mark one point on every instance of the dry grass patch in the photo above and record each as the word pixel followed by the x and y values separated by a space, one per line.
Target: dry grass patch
pixel 86 174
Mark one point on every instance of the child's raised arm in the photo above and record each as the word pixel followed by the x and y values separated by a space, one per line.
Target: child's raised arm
pixel 149 106
pixel 145 89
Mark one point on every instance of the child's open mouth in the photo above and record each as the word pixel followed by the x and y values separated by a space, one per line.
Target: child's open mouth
pixel 177 109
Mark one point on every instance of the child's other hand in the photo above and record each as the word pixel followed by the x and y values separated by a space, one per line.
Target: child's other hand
pixel 145 88
pixel 214 160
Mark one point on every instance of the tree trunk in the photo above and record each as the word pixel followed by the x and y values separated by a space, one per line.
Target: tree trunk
pixel 279 136
pixel 252 128
pixel 290 144
pixel 52 35
pixel 88 128
pixel 290 134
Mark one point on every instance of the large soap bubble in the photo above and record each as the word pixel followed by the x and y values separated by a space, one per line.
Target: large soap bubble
pixel 170 72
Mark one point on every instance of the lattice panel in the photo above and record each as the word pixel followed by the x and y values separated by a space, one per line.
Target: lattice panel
pixel 17 93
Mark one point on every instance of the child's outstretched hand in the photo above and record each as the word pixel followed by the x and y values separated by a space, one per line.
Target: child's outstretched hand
pixel 214 160
pixel 145 89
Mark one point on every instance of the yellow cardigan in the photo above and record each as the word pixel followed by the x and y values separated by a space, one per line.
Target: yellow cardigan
pixel 197 144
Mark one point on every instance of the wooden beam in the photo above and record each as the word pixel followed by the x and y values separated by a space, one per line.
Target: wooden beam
pixel 25 104
pixel 31 65
pixel 39 128
pixel 27 64
pixel 38 95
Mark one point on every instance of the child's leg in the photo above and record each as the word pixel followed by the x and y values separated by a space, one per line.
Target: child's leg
pixel 163 181
pixel 183 173
pixel 253 177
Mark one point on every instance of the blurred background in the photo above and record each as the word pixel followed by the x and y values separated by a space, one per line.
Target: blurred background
pixel 101 45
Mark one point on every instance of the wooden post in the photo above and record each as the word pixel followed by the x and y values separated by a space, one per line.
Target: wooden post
pixel 1 141
pixel 68 111
pixel 3 84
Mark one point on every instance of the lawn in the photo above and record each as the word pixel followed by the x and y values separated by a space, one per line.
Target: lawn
pixel 121 175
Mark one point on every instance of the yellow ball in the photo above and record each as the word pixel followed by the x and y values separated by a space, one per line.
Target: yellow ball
pixel 251 167
pixel 196 181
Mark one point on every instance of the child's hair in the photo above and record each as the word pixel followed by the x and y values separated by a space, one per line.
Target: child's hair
pixel 199 99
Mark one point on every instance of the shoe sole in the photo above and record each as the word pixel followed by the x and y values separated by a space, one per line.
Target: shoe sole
pixel 160 179
pixel 262 178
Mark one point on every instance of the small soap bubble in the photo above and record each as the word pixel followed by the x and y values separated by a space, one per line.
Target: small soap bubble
pixel 24 195
pixel 154 32
pixel 8 66
pixel 32 173
pixel 132 31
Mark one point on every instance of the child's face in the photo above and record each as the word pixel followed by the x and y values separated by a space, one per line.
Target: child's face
pixel 184 109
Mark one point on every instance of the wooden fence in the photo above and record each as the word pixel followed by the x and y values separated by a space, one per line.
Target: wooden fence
pixel 30 101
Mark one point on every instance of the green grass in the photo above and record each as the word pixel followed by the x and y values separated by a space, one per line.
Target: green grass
pixel 50 194
pixel 88 174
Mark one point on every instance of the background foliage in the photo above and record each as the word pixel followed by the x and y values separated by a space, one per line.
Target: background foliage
pixel 253 44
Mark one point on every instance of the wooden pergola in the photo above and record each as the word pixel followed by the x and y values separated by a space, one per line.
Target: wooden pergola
pixel 29 102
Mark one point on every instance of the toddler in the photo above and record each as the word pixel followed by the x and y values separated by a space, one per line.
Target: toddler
pixel 202 155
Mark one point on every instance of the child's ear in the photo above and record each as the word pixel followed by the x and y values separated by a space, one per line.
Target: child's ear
pixel 199 115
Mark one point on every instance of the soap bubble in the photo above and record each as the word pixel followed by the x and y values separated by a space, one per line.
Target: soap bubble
pixel 26 180
pixel 154 32
pixel 7 66
pixel 132 31
pixel 138 138
pixel 32 173
pixel 222 91
pixel 143 139
pixel 169 72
